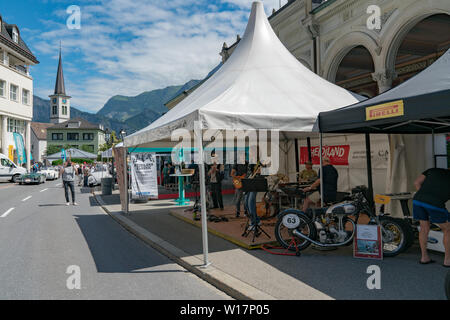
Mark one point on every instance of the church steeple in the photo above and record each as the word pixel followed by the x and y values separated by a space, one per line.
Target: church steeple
pixel 59 86
pixel 60 102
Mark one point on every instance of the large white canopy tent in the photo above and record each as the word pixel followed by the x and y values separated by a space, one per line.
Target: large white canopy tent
pixel 73 153
pixel 262 86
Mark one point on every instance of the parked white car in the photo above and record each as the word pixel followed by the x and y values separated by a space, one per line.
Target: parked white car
pixel 97 173
pixel 49 173
pixel 9 171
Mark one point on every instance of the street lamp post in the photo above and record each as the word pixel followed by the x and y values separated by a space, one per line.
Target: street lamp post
pixel 125 170
pixel 109 142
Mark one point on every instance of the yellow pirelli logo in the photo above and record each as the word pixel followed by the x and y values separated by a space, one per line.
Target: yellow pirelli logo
pixel 386 110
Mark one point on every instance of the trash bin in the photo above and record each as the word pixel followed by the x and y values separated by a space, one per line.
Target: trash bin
pixel 107 186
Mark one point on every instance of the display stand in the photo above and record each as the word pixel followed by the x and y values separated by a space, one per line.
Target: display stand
pixel 293 244
pixel 254 185
pixel 181 201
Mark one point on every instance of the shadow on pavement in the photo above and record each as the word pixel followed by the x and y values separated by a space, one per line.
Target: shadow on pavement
pixel 335 273
pixel 52 205
pixel 114 251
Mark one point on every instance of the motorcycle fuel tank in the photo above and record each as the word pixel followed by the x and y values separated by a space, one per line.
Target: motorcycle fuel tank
pixel 343 208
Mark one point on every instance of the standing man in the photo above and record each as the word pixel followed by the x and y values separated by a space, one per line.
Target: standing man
pixel 253 171
pixel 433 191
pixel 215 174
pixel 85 175
pixel 80 175
pixel 68 176
pixel 239 172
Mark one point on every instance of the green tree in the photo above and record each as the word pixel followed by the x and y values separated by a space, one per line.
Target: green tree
pixel 52 149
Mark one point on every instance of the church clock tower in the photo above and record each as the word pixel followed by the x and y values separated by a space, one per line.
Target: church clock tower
pixel 59 101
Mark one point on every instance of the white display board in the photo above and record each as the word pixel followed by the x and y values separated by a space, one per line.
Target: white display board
pixel 144 182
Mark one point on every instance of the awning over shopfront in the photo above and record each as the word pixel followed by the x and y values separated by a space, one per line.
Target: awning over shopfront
pixel 73 153
pixel 419 105
pixel 261 86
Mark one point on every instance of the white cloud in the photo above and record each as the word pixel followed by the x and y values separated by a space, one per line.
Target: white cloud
pixel 269 5
pixel 131 46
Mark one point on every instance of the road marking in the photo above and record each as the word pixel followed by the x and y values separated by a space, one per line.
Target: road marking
pixel 6 213
pixel 59 185
pixel 26 198
pixel 44 190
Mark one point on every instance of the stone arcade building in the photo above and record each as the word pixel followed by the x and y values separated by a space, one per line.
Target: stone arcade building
pixel 333 39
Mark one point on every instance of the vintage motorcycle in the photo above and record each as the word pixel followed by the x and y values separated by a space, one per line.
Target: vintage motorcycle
pixel 335 226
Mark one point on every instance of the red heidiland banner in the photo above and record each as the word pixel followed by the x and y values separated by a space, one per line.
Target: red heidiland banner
pixel 338 154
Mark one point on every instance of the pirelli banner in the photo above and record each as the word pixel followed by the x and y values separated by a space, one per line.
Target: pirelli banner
pixel 387 110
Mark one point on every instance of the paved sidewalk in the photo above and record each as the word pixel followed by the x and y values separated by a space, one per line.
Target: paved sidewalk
pixel 257 275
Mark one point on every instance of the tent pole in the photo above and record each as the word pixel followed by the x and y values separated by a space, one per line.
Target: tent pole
pixel 308 142
pixel 433 148
pixel 369 171
pixel 321 169
pixel 297 161
pixel 201 168
pixel 125 182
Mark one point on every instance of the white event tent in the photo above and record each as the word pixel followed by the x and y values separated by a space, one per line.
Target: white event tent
pixel 262 86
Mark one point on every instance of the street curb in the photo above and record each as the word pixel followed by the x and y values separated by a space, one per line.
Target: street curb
pixel 193 264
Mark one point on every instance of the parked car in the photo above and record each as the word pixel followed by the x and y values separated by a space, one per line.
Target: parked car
pixel 97 173
pixel 9 171
pixel 49 173
pixel 29 178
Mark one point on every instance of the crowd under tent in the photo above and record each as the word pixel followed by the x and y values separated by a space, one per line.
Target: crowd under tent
pixel 262 86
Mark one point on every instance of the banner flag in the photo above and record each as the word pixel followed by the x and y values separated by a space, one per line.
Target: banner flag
pixel 20 148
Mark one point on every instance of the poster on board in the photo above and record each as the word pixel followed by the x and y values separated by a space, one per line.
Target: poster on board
pixel 144 177
pixel 368 242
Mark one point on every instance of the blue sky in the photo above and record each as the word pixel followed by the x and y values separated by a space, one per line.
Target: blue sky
pixel 126 47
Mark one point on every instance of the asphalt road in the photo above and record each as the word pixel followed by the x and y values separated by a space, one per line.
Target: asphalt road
pixel 47 249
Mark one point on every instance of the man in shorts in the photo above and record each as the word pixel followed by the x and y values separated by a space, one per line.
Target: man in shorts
pixel 433 191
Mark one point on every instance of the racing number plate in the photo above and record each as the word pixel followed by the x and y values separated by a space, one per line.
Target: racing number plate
pixel 291 221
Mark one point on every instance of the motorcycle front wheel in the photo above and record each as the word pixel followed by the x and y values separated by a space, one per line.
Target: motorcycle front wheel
pixel 285 236
pixel 396 236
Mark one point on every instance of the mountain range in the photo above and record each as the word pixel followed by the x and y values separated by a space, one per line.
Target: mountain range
pixel 121 112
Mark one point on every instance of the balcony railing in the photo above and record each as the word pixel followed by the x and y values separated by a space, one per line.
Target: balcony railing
pixel 21 69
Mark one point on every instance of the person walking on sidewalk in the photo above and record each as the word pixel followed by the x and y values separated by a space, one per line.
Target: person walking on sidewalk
pixel 80 175
pixel 68 175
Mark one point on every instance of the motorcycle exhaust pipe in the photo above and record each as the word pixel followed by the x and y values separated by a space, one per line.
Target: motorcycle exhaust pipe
pixel 301 235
